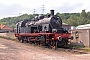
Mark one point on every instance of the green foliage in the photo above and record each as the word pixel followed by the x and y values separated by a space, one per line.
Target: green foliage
pixel 4 23
pixel 11 21
pixel 69 18
pixel 83 14
pixel 75 18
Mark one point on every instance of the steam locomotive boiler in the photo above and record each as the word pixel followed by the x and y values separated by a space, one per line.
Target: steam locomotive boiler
pixel 43 30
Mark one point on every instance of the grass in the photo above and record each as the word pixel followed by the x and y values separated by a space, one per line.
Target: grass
pixel 75 46
pixel 86 49
pixel 10 38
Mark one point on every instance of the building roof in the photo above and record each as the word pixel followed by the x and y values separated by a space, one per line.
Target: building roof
pixel 64 24
pixel 5 27
pixel 2 26
pixel 86 26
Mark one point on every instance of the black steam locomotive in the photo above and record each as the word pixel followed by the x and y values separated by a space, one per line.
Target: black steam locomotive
pixel 43 30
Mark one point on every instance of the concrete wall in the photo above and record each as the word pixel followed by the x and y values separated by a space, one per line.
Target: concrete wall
pixel 83 38
pixel 11 34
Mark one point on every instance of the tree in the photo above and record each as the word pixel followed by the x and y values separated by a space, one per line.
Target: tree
pixel 73 20
pixel 4 23
pixel 83 14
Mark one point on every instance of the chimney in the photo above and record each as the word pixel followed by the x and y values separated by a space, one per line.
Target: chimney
pixel 52 12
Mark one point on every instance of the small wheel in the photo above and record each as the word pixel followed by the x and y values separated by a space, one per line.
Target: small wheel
pixel 22 39
pixel 56 45
pixel 19 39
pixel 43 39
pixel 61 43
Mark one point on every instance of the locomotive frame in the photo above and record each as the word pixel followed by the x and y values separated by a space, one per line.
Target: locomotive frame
pixel 43 31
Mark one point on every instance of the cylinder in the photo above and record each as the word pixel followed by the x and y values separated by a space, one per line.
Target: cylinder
pixel 52 12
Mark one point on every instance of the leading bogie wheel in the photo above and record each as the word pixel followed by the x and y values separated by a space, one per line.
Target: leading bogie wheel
pixel 56 45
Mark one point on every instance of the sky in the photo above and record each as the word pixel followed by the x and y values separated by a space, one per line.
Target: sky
pixel 10 8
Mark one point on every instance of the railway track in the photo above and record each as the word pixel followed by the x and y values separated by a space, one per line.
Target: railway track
pixel 71 50
pixel 74 51
pixel 63 49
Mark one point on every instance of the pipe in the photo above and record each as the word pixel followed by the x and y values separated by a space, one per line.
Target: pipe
pixel 52 12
